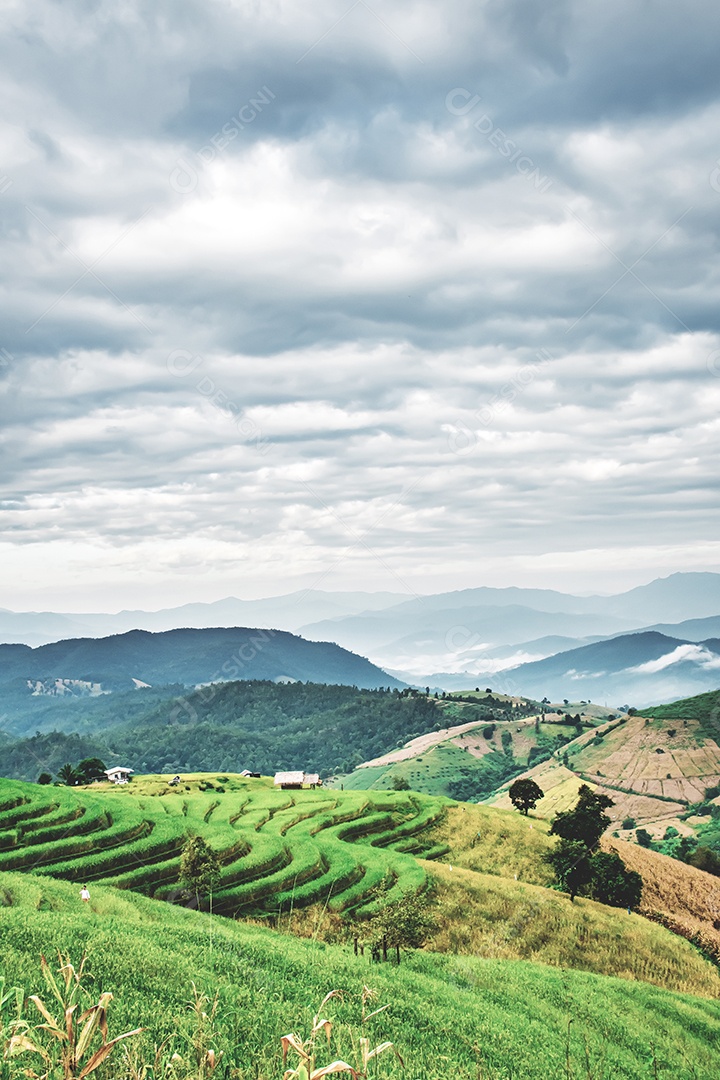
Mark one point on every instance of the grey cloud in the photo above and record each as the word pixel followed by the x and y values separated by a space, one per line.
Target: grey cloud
pixel 368 277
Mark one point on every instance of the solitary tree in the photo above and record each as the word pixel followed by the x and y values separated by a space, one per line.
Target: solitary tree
pixel 44 778
pixel 405 923
pixel 525 795
pixel 199 868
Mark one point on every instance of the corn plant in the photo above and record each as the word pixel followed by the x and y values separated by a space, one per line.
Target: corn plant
pixel 11 1022
pixel 202 1059
pixel 306 1050
pixel 71 1056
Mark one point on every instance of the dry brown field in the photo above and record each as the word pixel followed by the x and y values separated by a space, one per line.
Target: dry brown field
pixel 687 899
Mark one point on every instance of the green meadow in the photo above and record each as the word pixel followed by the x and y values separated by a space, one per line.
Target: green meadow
pixel 448 1016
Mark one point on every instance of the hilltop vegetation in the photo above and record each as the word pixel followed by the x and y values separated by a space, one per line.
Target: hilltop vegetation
pixel 259 725
pixel 703 708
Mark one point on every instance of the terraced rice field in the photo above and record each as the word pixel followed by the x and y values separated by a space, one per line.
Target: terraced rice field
pixel 652 769
pixel 277 848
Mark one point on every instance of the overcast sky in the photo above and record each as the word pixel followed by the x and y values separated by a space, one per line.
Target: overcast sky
pixel 403 296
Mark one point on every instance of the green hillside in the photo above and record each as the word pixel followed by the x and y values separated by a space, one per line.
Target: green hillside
pixel 312 860
pixel 470 758
pixel 463 1017
pixel 515 980
pixel 704 708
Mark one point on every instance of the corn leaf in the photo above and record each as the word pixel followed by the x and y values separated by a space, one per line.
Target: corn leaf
pixel 293 1042
pixel 334 1067
pixel 52 1023
pixel 100 1055
pixel 18 1044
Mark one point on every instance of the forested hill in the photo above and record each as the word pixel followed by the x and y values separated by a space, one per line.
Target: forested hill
pixel 188 656
pixel 256 725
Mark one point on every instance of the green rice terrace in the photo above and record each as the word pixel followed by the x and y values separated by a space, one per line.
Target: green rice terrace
pixel 514 980
pixel 276 847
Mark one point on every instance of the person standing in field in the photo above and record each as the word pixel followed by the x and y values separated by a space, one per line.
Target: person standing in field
pixel 85 894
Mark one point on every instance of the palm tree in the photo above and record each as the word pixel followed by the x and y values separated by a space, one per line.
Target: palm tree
pixel 68 775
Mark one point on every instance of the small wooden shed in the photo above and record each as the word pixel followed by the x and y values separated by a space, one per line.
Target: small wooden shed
pixel 289 779
pixel 297 780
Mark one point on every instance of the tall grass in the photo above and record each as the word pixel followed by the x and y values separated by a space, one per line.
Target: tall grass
pixel 449 1016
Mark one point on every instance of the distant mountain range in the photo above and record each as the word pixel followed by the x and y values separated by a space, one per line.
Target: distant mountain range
pixel 636 669
pixel 520 637
pixel 287 612
pixel 473 630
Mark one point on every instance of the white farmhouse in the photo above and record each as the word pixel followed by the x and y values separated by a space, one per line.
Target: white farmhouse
pixel 118 774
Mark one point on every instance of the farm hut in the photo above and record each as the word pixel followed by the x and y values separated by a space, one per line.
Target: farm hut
pixel 287 780
pixel 119 774
pixel 297 779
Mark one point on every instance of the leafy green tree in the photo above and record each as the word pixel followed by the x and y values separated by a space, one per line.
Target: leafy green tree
pixel 612 883
pixel 586 822
pixel 686 847
pixel 44 778
pixel 704 858
pixel 90 769
pixel 68 775
pixel 399 783
pixel 405 923
pixel 525 795
pixel 644 838
pixel 199 868
pixel 571 861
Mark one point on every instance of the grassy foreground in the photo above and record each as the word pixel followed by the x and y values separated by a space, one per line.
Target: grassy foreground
pixel 449 1016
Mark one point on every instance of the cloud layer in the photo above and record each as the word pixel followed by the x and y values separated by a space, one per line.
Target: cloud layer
pixel 400 297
